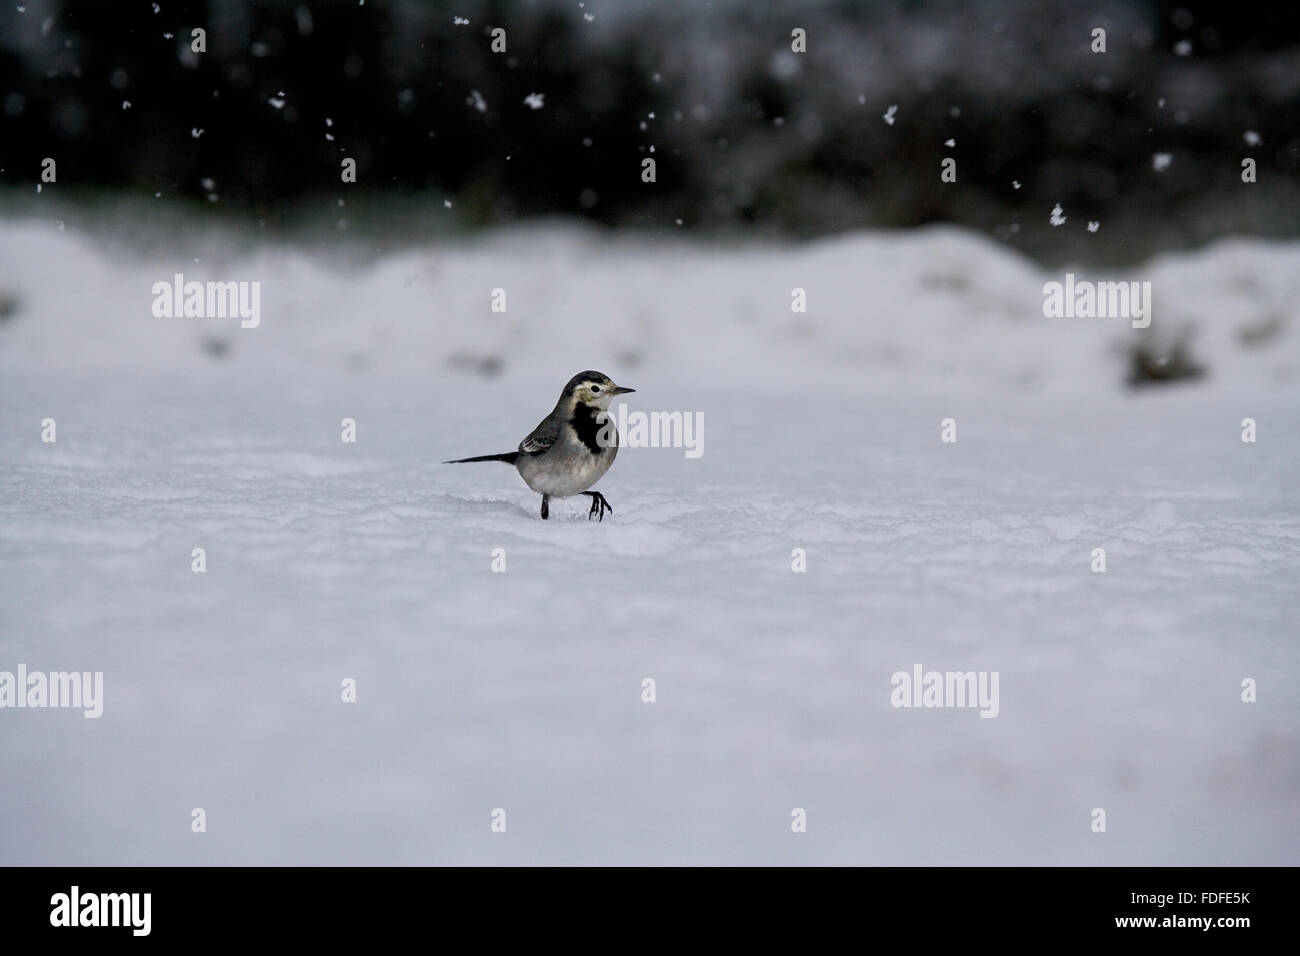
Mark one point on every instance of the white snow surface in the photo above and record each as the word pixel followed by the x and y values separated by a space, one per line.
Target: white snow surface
pixel 522 690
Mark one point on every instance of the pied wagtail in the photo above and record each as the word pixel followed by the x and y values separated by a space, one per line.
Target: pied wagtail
pixel 573 446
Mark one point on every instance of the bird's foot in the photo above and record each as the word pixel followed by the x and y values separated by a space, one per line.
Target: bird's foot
pixel 598 506
pixel 546 507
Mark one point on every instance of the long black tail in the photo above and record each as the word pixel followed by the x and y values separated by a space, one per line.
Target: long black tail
pixel 509 458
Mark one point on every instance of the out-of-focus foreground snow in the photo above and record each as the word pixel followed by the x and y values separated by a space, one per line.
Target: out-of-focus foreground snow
pixel 522 690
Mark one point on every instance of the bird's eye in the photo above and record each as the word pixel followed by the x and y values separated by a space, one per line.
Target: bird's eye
pixel 595 389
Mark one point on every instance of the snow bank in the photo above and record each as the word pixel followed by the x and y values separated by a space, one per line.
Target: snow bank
pixel 938 306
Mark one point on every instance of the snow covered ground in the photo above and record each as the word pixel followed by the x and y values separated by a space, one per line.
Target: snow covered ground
pixel 522 690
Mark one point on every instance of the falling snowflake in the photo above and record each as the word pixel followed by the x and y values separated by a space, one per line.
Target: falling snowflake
pixel 447 203
pixel 208 183
pixel 1094 226
pixel 588 17
pixel 1160 161
pixel 534 100
pixel 1160 103
pixel 475 99
pixel 195 132
pixel 278 100
pixel 1015 184
pixel 950 143
pixel 126 104
pixel 1252 138
pixel 889 114
pixel 460 21
pixel 1183 48
pixel 168 36
pixel 1057 219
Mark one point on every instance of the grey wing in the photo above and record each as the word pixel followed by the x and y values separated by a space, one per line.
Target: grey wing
pixel 542 437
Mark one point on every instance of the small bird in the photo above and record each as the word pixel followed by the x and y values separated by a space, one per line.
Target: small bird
pixel 573 446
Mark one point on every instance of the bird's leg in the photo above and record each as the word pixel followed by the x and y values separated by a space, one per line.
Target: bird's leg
pixel 598 505
pixel 546 506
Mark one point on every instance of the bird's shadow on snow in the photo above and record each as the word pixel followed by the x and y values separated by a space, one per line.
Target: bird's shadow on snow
pixel 477 507
pixel 506 507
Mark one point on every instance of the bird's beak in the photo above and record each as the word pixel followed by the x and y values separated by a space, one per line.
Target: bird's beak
pixel 620 390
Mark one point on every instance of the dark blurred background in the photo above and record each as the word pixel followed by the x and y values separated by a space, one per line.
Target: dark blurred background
pixel 748 136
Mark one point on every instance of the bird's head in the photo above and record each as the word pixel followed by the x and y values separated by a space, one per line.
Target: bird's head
pixel 593 389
